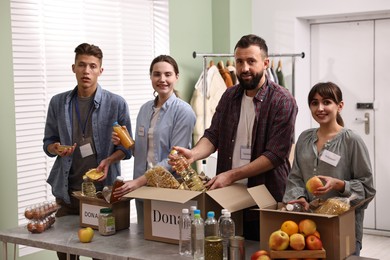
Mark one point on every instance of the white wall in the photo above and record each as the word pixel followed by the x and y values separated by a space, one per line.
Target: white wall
pixel 285 25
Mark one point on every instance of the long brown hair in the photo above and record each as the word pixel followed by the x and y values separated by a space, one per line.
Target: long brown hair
pixel 328 90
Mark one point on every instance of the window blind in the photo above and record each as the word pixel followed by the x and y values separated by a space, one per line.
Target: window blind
pixel 44 36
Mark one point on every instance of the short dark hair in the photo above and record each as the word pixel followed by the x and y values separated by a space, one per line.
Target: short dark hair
pixel 89 49
pixel 328 90
pixel 165 58
pixel 251 39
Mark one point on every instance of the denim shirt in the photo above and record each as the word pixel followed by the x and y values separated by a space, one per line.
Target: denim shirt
pixel 109 108
pixel 174 127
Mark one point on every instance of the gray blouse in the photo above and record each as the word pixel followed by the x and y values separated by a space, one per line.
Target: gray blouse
pixel 353 166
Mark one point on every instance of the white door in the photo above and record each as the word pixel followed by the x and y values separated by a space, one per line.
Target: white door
pixel 382 123
pixel 344 54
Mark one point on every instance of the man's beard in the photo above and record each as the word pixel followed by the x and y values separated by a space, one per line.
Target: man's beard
pixel 252 84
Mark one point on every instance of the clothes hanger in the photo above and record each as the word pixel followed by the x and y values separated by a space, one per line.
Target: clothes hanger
pixel 279 65
pixel 211 63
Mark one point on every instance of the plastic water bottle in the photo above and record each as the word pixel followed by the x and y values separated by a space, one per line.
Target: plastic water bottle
pixel 185 234
pixel 197 237
pixel 226 230
pixel 192 212
pixel 210 225
pixel 221 217
pixel 195 211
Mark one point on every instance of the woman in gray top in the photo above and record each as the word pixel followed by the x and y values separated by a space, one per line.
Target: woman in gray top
pixel 336 154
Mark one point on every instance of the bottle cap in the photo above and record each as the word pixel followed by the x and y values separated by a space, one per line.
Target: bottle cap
pixel 184 211
pixel 115 123
pixel 223 211
pixel 227 214
pixel 210 214
pixel 106 210
pixel 193 208
pixel 197 211
pixel 290 207
pixel 120 178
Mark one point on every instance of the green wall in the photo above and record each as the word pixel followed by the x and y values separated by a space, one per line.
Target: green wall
pixel 205 26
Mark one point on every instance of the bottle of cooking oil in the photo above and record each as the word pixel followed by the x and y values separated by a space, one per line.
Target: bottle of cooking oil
pixel 187 173
pixel 88 188
pixel 119 181
pixel 124 135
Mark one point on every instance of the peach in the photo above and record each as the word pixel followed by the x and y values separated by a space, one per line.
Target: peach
pixel 290 227
pixel 279 240
pixel 307 227
pixel 313 184
pixel 297 241
pixel 317 234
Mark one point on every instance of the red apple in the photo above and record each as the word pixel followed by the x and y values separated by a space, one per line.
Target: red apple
pixel 313 184
pixel 307 227
pixel 313 243
pixel 256 255
pixel 297 241
pixel 279 240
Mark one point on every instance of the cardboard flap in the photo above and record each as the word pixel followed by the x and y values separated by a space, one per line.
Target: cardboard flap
pixel 80 196
pixel 234 197
pixel 163 194
pixel 262 196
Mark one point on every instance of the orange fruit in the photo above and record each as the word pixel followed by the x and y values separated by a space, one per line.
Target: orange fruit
pixel 290 227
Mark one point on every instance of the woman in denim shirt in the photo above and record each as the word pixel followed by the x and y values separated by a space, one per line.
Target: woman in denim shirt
pixel 162 123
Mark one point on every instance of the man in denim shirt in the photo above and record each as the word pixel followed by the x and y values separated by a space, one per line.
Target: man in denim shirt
pixel 82 119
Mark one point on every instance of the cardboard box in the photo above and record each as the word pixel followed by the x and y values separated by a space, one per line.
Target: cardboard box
pixel 162 208
pixel 337 231
pixel 90 209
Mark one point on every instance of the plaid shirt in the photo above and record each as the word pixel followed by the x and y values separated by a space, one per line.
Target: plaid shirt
pixel 272 133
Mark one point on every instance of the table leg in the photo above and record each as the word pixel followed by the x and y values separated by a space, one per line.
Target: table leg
pixel 14 251
pixel 5 255
pixel 67 256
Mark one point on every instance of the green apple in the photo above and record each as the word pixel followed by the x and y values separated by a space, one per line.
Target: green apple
pixel 85 234
pixel 279 240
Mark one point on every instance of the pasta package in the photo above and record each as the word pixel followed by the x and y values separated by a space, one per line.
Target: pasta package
pixel 334 206
pixel 158 176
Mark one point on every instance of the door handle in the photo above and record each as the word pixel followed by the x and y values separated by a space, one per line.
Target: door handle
pixel 366 121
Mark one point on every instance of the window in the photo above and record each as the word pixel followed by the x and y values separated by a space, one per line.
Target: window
pixel 44 36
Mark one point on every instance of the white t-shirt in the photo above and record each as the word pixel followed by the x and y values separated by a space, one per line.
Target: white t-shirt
pixel 242 146
pixel 151 158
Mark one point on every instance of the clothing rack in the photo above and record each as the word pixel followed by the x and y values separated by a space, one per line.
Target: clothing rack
pixel 207 55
